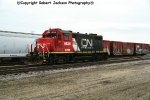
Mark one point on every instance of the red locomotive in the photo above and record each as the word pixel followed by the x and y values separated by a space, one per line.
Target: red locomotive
pixel 61 46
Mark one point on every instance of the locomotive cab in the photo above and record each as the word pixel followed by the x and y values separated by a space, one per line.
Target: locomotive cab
pixel 54 40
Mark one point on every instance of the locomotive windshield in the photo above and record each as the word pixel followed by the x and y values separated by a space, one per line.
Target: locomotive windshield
pixel 53 35
pixel 50 35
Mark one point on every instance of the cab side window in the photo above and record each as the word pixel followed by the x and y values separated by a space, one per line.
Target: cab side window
pixel 66 37
pixel 53 35
pixel 59 36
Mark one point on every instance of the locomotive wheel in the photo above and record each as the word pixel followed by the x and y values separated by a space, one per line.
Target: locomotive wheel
pixel 61 60
pixel 51 61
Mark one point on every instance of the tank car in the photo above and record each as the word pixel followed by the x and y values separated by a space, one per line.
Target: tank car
pixel 61 46
pixel 14 45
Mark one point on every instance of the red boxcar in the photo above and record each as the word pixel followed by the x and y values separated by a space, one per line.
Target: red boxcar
pixel 138 48
pixel 145 48
pixel 116 48
pixel 149 48
pixel 121 48
pixel 106 46
pixel 128 48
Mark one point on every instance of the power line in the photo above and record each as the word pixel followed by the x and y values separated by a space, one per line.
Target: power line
pixel 19 33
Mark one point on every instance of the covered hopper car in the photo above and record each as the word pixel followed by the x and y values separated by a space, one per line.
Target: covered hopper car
pixel 14 45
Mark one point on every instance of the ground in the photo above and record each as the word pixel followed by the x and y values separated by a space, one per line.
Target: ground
pixel 123 81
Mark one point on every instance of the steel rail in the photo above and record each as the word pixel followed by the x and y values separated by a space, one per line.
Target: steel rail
pixel 16 69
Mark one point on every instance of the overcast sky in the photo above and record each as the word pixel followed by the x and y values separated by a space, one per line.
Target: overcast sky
pixel 120 20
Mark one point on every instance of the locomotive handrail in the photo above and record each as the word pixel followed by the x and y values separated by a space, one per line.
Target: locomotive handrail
pixel 47 50
pixel 30 47
pixel 43 52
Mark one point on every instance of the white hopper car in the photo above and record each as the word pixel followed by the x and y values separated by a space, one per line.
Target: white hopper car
pixel 15 45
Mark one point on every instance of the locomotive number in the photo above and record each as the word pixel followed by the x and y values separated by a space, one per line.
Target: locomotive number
pixel 67 49
pixel 67 43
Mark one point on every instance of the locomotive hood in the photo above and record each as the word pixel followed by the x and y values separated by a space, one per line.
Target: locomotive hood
pixel 45 44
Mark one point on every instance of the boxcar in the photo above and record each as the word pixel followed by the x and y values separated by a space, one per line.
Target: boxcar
pixel 106 46
pixel 128 48
pixel 145 48
pixel 116 48
pixel 138 48
pixel 149 48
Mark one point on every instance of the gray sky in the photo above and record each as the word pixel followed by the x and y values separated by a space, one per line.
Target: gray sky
pixel 120 20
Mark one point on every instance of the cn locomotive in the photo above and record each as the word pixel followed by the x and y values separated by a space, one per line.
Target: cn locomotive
pixel 61 46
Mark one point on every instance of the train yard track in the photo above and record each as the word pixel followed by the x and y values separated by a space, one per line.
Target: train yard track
pixel 16 69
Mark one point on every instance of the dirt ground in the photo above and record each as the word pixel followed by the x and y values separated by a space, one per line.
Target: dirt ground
pixel 123 81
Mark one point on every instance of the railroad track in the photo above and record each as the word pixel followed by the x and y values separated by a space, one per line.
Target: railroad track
pixel 16 69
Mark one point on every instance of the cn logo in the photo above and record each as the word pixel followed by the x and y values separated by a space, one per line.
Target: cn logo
pixel 86 43
pixel 41 45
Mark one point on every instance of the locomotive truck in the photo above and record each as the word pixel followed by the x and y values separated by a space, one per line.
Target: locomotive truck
pixel 62 46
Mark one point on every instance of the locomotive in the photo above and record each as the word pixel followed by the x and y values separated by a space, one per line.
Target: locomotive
pixel 62 46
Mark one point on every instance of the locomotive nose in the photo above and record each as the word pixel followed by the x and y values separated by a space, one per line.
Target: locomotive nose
pixel 45 45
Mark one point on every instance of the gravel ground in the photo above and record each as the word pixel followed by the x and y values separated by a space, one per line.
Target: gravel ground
pixel 120 81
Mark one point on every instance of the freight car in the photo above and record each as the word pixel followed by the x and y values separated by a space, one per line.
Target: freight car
pixel 61 46
pixel 14 45
pixel 118 48
pixel 145 48
pixel 106 46
pixel 142 48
